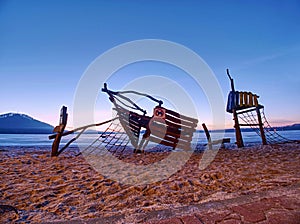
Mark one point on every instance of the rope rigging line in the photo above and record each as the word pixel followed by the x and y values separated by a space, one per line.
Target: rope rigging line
pixel 120 95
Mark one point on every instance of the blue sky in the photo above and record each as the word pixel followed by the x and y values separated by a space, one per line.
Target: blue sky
pixel 45 47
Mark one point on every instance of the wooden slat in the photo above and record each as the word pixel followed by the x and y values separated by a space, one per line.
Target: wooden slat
pixel 170 120
pixel 136 118
pixel 127 120
pixel 161 132
pixel 134 122
pixel 171 144
pixel 181 127
pixel 245 109
pixel 121 110
pixel 183 117
pixel 127 125
pixel 180 121
pixel 170 128
pixel 170 138
pixel 161 141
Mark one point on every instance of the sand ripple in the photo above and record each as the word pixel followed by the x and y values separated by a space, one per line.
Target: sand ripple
pixel 65 188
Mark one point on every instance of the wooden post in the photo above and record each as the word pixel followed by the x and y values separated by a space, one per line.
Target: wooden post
pixel 238 133
pixel 59 129
pixel 261 127
pixel 207 136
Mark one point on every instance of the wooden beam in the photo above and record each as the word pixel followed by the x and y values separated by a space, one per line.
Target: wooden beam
pixel 238 133
pixel 261 127
pixel 245 110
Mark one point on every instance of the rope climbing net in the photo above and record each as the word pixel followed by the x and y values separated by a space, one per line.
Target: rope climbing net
pixel 250 118
pixel 272 135
pixel 113 140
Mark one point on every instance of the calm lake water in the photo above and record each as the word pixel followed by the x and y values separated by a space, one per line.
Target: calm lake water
pixel 42 139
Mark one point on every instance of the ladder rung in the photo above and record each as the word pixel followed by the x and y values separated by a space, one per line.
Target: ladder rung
pixel 242 111
pixel 249 124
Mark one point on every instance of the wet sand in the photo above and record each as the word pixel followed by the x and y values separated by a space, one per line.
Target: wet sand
pixel 67 188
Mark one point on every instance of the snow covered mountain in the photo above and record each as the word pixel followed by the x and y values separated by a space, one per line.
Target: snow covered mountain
pixel 14 123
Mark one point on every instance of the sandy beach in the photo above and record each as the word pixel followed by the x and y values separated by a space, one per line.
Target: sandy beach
pixel 45 189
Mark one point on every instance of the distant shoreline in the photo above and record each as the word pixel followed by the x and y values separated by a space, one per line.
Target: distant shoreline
pixel 24 131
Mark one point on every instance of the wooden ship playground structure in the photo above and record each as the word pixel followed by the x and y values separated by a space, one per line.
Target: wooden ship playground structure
pixel 131 129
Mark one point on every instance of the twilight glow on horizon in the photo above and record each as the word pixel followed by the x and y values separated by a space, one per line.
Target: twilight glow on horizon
pixel 46 46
